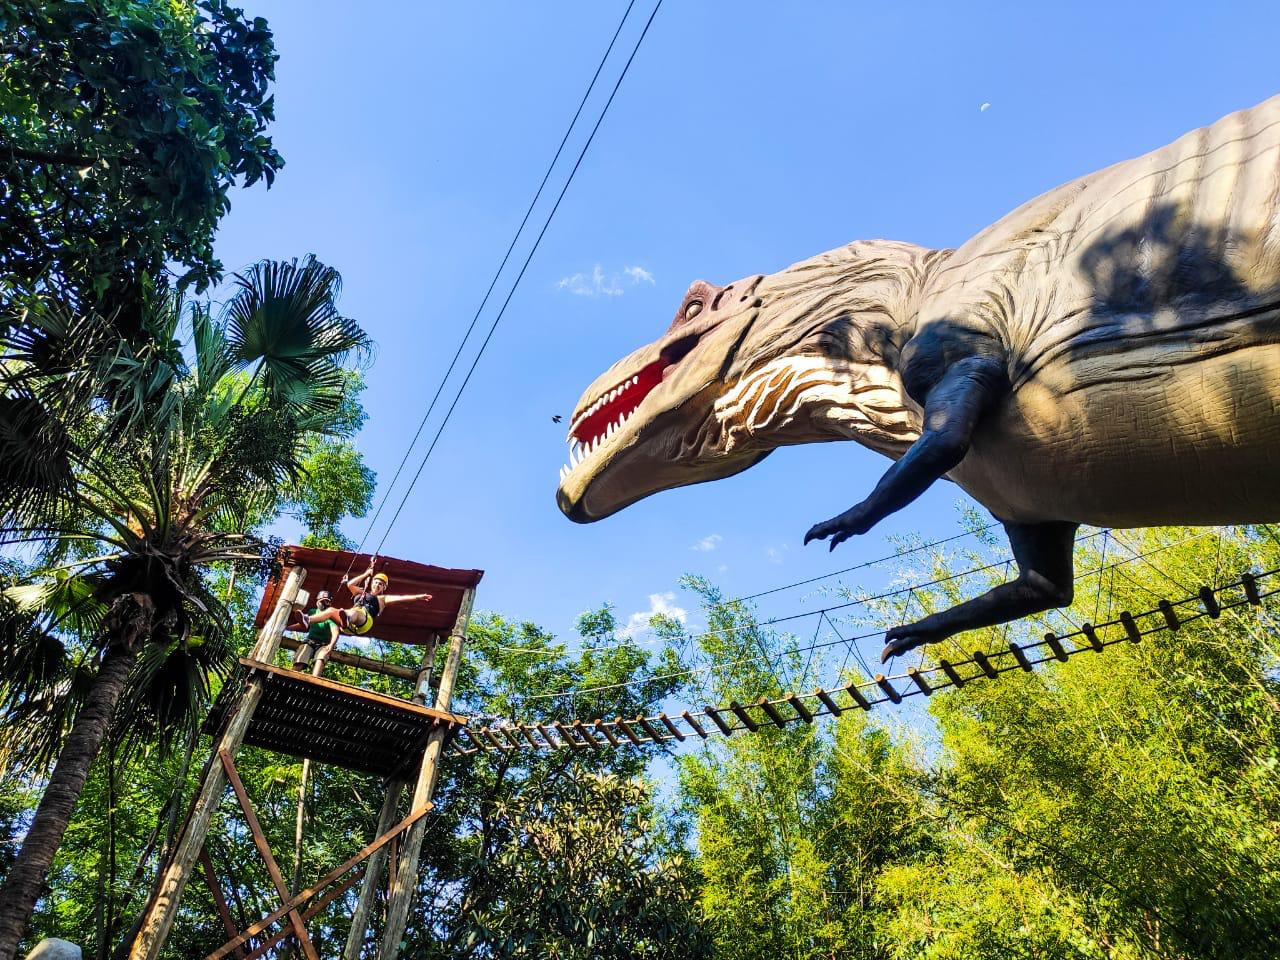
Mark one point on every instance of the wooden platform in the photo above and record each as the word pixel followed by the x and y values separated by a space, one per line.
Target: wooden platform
pixel 328 722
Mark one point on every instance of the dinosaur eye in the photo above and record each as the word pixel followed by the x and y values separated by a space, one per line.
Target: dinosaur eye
pixel 693 309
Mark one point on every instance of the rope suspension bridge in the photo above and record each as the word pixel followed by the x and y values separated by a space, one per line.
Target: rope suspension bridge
pixel 1250 590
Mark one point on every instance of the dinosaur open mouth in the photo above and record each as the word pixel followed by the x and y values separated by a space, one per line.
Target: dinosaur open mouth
pixel 606 415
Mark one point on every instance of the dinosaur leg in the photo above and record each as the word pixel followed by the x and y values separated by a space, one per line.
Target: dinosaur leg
pixel 952 410
pixel 1046 579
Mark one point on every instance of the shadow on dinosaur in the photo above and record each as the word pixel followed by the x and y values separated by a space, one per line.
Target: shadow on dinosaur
pixel 1108 353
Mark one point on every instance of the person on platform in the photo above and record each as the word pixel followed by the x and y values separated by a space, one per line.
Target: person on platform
pixel 321 636
pixel 370 599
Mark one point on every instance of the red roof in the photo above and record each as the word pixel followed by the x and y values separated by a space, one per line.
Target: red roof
pixel 410 622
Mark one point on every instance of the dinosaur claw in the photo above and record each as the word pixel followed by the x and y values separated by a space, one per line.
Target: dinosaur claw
pixel 903 638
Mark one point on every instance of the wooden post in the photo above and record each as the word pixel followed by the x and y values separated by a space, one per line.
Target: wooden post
pixel 219 901
pixel 422 685
pixel 163 908
pixel 264 851
pixel 406 874
pixel 386 818
pixel 369 886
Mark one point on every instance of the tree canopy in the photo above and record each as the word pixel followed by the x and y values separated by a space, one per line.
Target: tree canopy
pixel 123 126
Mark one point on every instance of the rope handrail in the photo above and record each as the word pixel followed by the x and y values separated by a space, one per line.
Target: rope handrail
pixel 860 601
pixel 662 729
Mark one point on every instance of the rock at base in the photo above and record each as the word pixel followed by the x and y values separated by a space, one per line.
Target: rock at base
pixel 51 948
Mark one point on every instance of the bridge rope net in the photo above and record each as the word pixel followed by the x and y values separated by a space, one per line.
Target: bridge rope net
pixel 662 729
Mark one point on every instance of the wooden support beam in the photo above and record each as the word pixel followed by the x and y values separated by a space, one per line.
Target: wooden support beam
pixel 799 707
pixel 856 696
pixel 626 729
pixel 649 729
pixel 511 733
pixel 372 664
pixel 1170 616
pixel 377 862
pixel 607 733
pixel 405 881
pixel 567 736
pixel 1130 627
pixel 310 912
pixel 159 914
pixel 580 729
pixel 771 712
pixel 694 725
pixel 675 731
pixel 422 682
pixel 219 901
pixel 825 699
pixel 1250 584
pixel 301 898
pixel 1211 605
pixel 740 712
pixel 952 673
pixel 714 714
pixel 1091 635
pixel 1020 655
pixel 264 851
pixel 552 742
pixel 1054 644
pixel 918 678
pixel 981 660
pixel 889 691
pixel 528 735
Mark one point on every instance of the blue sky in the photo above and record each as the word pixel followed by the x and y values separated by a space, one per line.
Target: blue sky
pixel 746 136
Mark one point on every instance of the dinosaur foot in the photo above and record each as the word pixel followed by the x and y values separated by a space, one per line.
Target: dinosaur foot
pixel 853 522
pixel 904 638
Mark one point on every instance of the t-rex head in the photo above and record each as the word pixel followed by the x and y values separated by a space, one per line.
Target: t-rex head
pixel 803 355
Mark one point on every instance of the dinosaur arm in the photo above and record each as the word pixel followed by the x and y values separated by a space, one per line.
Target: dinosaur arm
pixel 954 407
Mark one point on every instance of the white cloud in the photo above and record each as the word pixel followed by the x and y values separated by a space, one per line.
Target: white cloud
pixel 594 284
pixel 777 555
pixel 984 108
pixel 707 543
pixel 659 603
pixel 598 283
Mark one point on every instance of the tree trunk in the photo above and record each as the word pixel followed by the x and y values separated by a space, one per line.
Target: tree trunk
pixel 26 879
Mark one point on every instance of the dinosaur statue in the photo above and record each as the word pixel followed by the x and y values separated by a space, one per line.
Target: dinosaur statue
pixel 1105 354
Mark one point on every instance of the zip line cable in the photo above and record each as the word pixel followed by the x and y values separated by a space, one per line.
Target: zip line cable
pixel 919 548
pixel 494 282
pixel 503 309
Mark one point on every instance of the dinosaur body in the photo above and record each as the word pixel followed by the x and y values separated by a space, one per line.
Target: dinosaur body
pixel 1107 354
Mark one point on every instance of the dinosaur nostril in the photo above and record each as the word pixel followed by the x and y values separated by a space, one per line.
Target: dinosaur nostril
pixel 676 351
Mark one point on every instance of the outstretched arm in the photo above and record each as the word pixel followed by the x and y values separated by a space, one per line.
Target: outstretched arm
pixel 402 597
pixel 955 405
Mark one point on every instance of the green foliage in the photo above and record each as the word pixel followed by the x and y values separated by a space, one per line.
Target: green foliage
pixel 582 876
pixel 792 825
pixel 1116 805
pixel 124 124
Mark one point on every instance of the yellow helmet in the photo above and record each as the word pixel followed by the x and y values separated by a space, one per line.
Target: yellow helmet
pixel 383 577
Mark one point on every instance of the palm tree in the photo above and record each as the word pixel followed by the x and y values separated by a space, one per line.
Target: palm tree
pixel 156 469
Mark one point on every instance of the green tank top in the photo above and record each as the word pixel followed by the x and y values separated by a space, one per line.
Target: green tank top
pixel 319 634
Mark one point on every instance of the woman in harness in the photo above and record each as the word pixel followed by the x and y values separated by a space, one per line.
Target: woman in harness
pixel 371 598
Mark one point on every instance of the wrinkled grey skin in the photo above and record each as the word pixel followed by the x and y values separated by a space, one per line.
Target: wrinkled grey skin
pixel 1108 353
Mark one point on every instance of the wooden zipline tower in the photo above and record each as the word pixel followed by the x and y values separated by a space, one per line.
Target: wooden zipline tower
pixel 306 716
